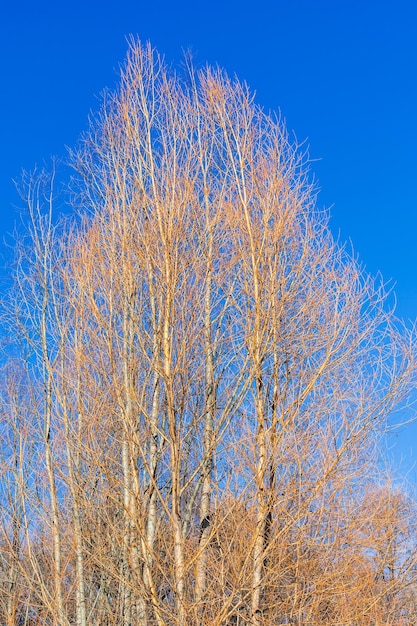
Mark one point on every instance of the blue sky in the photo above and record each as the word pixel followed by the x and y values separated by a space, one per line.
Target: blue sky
pixel 342 73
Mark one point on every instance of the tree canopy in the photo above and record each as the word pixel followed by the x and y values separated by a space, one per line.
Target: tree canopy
pixel 197 382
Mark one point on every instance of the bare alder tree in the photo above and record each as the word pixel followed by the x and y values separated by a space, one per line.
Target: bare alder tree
pixel 207 375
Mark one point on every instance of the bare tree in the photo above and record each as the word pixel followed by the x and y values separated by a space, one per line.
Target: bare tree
pixel 212 372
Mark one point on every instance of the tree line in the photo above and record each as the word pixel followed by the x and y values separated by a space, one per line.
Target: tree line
pixel 196 380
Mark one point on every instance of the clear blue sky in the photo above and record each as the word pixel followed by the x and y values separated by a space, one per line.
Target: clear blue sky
pixel 342 72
